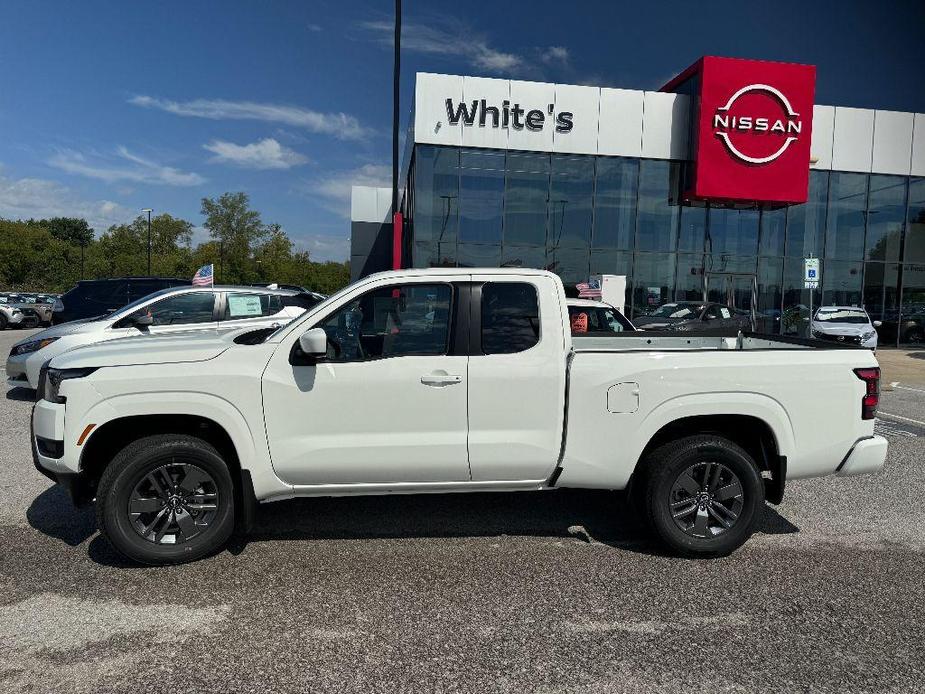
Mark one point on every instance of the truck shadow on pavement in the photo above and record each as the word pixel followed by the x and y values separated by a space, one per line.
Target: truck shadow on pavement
pixel 563 515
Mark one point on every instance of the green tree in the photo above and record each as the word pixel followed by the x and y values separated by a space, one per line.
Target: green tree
pixel 31 259
pixel 122 250
pixel 238 229
pixel 72 230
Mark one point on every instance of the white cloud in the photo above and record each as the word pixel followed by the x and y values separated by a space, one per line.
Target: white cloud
pixel 334 191
pixel 314 27
pixel 555 54
pixel 25 198
pixel 454 39
pixel 339 125
pixel 263 154
pixel 123 166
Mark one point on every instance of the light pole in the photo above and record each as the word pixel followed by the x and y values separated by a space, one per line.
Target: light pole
pixel 397 221
pixel 149 211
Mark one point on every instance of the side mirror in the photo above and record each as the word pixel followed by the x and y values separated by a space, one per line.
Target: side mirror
pixel 314 343
pixel 878 323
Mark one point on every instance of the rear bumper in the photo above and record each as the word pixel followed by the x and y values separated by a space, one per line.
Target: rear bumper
pixel 866 456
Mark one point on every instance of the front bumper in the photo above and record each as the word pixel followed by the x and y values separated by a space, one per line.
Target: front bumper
pixel 46 436
pixel 26 367
pixel 866 456
pixel 16 373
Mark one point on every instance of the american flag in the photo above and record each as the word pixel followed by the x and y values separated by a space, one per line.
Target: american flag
pixel 203 277
pixel 589 290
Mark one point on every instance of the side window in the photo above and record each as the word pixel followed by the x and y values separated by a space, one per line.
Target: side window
pixel 510 317
pixel 712 313
pixel 241 306
pixel 394 321
pixel 194 307
pixel 137 290
pixel 106 296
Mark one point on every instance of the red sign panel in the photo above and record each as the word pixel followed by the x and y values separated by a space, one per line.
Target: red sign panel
pixel 753 129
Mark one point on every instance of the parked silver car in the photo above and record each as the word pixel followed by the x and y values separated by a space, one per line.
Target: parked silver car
pixel 170 310
pixel 11 317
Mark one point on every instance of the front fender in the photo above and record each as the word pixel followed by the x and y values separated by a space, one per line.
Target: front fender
pixel 249 442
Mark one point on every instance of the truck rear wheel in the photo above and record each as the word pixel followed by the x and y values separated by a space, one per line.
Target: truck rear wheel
pixel 703 495
pixel 166 499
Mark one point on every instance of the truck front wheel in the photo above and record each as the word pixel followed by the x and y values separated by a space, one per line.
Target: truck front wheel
pixel 166 499
pixel 703 495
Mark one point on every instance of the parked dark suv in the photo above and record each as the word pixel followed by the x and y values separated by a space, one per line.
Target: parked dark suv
pixel 98 297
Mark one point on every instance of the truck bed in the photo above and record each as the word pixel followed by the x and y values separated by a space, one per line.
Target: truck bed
pixel 664 340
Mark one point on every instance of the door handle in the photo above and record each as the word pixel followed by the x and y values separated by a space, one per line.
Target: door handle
pixel 440 379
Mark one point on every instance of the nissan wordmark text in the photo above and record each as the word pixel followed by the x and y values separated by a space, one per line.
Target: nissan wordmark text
pixel 447 380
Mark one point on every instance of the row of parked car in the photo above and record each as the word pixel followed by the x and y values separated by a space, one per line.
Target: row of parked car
pixel 100 310
pixel 25 309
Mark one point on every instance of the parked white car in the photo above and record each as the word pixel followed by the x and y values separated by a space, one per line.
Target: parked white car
pixel 170 310
pixel 11 317
pixel 846 324
pixel 447 380
pixel 589 317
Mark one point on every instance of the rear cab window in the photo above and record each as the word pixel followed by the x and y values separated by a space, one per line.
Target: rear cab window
pixel 510 320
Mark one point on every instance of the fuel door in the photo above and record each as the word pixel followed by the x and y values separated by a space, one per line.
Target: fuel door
pixel 623 398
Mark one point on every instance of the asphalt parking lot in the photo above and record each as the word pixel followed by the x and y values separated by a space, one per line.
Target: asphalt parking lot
pixel 540 592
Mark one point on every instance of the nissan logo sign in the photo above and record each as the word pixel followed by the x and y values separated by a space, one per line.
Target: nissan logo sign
pixel 736 126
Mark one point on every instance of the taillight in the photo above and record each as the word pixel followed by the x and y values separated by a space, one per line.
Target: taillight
pixel 871 399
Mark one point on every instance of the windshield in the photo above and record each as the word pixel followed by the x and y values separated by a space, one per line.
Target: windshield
pixel 842 315
pixel 128 308
pixel 590 320
pixel 676 311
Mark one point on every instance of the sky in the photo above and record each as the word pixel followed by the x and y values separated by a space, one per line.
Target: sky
pixel 110 107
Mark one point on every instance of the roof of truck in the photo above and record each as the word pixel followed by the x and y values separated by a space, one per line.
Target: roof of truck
pixel 440 271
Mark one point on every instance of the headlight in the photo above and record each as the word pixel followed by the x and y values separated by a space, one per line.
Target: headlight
pixel 50 381
pixel 868 335
pixel 29 347
pixel 816 333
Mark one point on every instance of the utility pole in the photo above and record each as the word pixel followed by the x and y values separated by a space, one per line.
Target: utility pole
pixel 396 72
pixel 149 211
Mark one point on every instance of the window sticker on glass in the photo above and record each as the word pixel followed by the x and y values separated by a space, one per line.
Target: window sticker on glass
pixel 246 305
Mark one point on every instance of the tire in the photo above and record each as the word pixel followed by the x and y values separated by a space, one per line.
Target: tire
pixel 148 508
pixel 3 322
pixel 915 336
pixel 690 500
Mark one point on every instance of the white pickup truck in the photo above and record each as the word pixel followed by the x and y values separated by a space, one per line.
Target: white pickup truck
pixel 447 380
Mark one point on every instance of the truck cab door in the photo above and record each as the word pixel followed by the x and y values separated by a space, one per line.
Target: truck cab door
pixel 388 402
pixel 517 368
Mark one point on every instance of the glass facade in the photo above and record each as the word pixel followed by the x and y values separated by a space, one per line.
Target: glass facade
pixel 582 215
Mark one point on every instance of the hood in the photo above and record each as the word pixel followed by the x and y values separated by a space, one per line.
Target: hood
pixel 86 325
pixel 832 328
pixel 142 349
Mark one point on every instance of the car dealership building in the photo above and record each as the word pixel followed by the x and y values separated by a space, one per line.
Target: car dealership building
pixel 717 187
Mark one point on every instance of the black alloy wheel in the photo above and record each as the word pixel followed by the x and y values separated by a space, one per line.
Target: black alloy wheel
pixel 702 495
pixel 166 499
pixel 706 499
pixel 173 504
